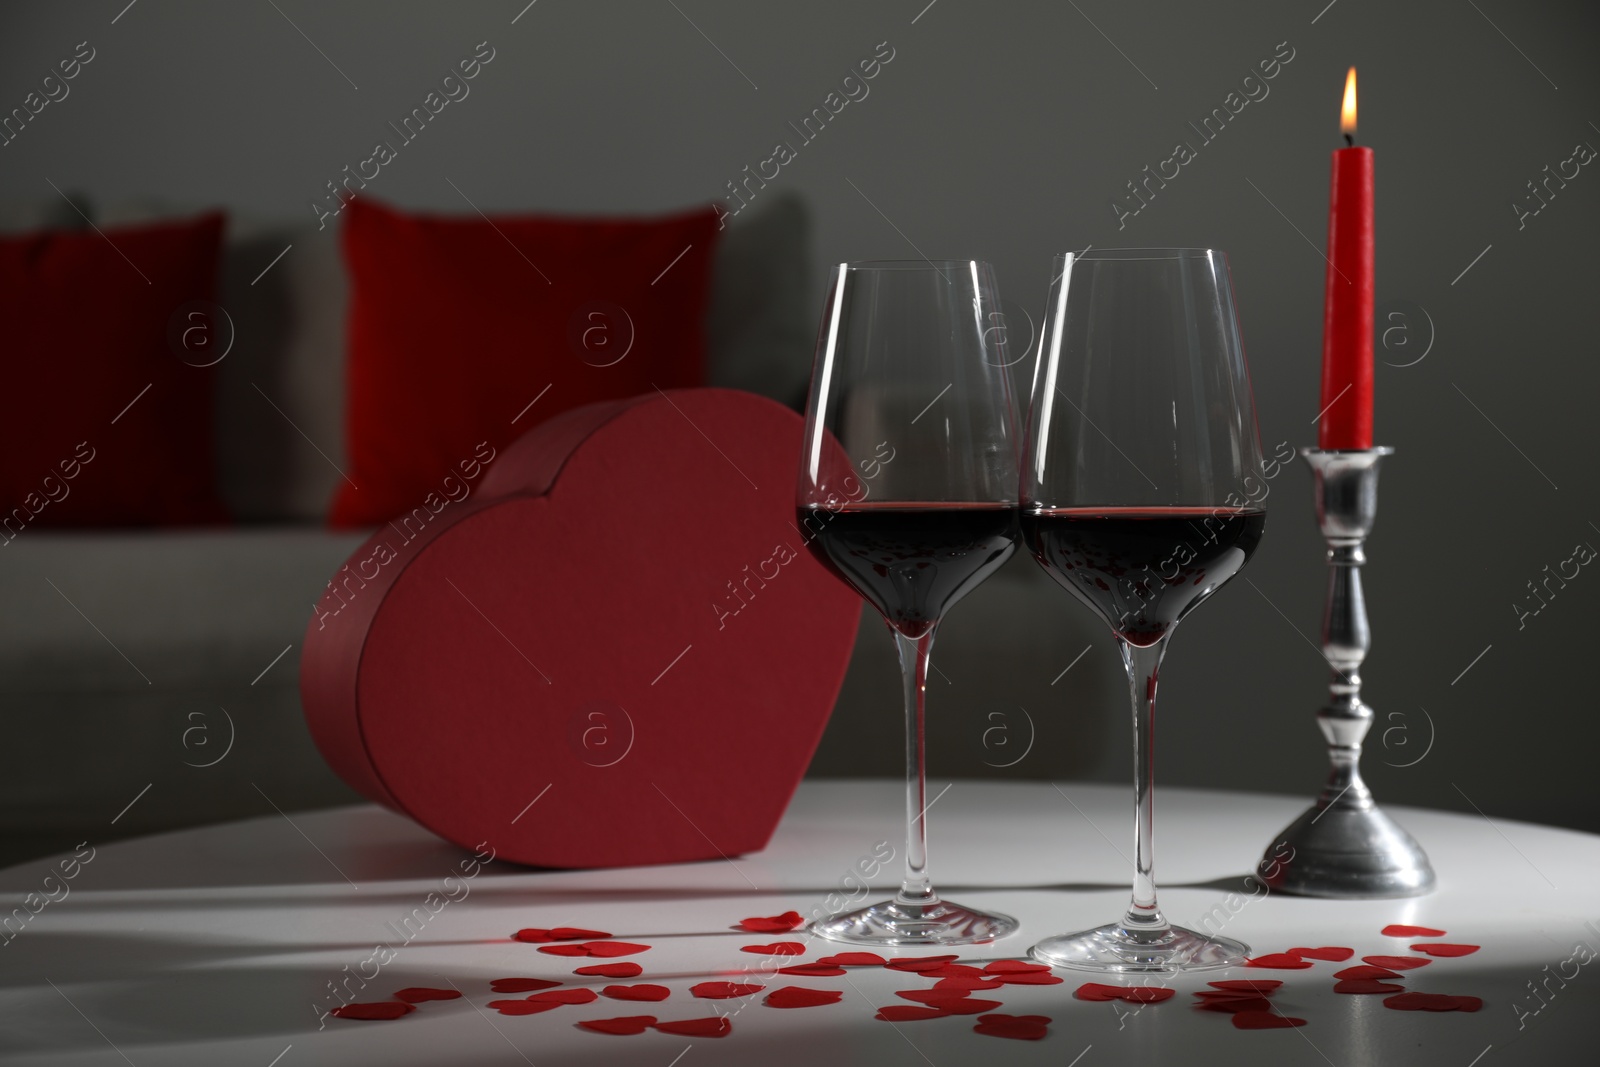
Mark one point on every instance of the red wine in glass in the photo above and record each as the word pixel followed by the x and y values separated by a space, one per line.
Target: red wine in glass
pixel 1142 569
pixel 911 561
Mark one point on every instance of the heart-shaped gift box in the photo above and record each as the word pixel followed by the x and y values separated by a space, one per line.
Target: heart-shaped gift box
pixel 616 651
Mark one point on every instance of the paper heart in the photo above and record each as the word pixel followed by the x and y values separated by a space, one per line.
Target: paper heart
pixel 1014 967
pixel 794 996
pixel 563 996
pixel 714 1026
pixel 1235 1004
pixel 724 990
pixel 956 1003
pixel 777 948
pixel 1431 1002
pixel 1365 971
pixel 536 936
pixel 813 970
pixel 904 1013
pixel 964 982
pixel 465 667
pixel 1248 985
pixel 854 959
pixel 1439 948
pixel 1265 1020
pixel 1397 930
pixel 1330 953
pixel 919 963
pixel 623 1024
pixel 956 970
pixel 1366 985
pixel 386 1009
pixel 611 970
pixel 1278 961
pixel 1030 978
pixel 773 924
pixel 1017 1027
pixel 418 994
pixel 1398 963
pixel 523 1007
pixel 1098 991
pixel 603 949
pixel 636 992
pixel 521 985
pixel 1131 994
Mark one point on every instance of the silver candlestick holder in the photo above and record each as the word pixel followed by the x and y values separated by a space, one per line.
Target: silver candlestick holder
pixel 1344 845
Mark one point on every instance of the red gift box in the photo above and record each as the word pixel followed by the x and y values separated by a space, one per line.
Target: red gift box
pixel 613 649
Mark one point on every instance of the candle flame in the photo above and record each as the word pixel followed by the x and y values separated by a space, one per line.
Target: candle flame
pixel 1347 114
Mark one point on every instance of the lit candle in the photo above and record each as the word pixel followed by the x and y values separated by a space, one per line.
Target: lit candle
pixel 1346 421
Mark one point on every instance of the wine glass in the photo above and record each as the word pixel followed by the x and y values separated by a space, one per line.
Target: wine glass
pixel 908 494
pixel 1140 497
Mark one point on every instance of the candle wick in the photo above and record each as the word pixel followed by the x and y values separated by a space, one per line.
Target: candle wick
pixel 1350 140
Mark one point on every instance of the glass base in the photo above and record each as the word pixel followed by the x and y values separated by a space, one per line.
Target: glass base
pixel 894 923
pixel 1110 948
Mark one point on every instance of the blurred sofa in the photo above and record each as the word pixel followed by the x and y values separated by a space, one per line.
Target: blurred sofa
pixel 152 674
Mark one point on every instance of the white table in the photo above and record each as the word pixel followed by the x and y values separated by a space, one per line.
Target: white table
pixel 211 946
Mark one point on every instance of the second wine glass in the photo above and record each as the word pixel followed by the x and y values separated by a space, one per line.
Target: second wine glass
pixel 1141 497
pixel 908 494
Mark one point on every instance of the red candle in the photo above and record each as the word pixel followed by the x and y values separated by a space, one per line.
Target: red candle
pixel 1346 421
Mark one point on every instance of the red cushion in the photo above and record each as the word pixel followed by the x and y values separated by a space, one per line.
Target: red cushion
pixel 89 321
pixel 458 324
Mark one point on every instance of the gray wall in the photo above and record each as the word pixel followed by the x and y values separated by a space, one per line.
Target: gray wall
pixel 1003 131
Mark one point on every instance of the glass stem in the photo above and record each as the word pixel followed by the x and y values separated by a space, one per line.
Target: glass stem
pixel 1144 921
pixel 914 651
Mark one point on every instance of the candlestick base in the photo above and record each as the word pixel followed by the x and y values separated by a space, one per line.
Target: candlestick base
pixel 1344 846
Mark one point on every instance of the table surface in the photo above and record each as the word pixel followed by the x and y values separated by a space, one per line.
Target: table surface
pixel 216 945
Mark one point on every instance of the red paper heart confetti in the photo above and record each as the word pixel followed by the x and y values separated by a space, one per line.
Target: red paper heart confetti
pixel 715 1026
pixel 522 1007
pixel 625 1024
pixel 1017 1027
pixel 1235 1004
pixel 534 935
pixel 1247 985
pixel 905 1013
pixel 1397 930
pixel 607 949
pixel 773 924
pixel 1398 963
pixel 724 990
pixel 1439 948
pixel 1330 953
pixel 563 996
pixel 417 994
pixel 919 963
pixel 602 970
pixel 964 1005
pixel 1265 1020
pixel 955 970
pixel 1431 1002
pixel 1014 967
pixel 793 996
pixel 1131 994
pixel 1148 994
pixel 966 983
pixel 813 970
pixel 521 985
pixel 1030 978
pixel 384 1009
pixel 1098 991
pixel 777 948
pixel 1358 973
pixel 636 992
pixel 1366 985
pixel 1278 961
pixel 855 959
